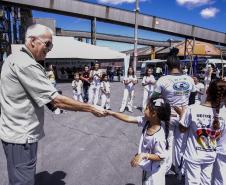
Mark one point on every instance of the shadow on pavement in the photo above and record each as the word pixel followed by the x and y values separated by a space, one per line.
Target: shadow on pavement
pixel 45 178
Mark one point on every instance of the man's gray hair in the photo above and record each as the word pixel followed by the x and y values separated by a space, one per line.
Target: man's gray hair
pixel 37 30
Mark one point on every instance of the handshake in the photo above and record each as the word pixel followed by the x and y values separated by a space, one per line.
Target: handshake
pixel 99 111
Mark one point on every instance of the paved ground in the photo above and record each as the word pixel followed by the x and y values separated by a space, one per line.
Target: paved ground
pixel 80 149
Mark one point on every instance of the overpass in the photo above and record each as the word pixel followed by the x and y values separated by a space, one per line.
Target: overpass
pixel 122 17
pixel 114 38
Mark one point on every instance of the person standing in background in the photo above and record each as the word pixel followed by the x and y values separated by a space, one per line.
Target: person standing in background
pixel 77 88
pixel 128 95
pixel 94 90
pixel 105 92
pixel 199 90
pixel 148 83
pixel 86 83
pixel 51 75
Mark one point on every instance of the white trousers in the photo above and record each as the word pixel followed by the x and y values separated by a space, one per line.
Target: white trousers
pixel 154 178
pixel 94 93
pixel 127 100
pixel 177 145
pixel 146 96
pixel 105 101
pixel 219 170
pixel 198 174
pixel 78 97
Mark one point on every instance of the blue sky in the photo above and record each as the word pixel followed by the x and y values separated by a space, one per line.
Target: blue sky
pixel 209 14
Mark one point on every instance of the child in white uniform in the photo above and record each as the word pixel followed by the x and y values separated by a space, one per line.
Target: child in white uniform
pixel 219 169
pixel 200 88
pixel 153 142
pixel 148 82
pixel 77 88
pixel 130 81
pixel 204 124
pixel 105 92
pixel 94 90
pixel 174 88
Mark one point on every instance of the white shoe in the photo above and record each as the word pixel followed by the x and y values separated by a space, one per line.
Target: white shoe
pixel 130 110
pixel 57 111
pixel 121 110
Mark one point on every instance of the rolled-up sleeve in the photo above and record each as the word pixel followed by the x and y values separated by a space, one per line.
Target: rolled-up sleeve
pixel 36 84
pixel 158 87
pixel 141 121
pixel 160 148
pixel 186 118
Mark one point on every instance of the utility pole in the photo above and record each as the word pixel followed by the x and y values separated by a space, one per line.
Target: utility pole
pixel 135 36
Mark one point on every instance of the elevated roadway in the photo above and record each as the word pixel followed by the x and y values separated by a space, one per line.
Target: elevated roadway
pixel 122 17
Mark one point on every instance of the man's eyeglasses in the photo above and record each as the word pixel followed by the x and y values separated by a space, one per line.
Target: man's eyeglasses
pixel 48 44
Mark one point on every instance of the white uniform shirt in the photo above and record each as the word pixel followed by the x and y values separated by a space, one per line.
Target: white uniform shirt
pixel 175 89
pixel 131 78
pixel 201 139
pixel 153 144
pixel 77 86
pixel 221 145
pixel 96 77
pixel 200 88
pixel 147 79
pixel 106 86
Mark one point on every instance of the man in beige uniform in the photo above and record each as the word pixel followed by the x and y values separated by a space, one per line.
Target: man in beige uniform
pixel 25 89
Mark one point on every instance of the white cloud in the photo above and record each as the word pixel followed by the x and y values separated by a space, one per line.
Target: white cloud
pixel 115 2
pixel 209 12
pixel 194 3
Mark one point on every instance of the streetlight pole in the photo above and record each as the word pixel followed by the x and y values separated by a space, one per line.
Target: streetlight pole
pixel 135 36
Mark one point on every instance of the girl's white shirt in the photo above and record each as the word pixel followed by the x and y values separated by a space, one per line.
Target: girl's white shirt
pixel 131 78
pixel 96 77
pixel 201 140
pixel 106 86
pixel 77 86
pixel 153 144
pixel 147 79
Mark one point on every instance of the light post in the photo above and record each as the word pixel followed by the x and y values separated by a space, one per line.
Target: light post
pixel 135 36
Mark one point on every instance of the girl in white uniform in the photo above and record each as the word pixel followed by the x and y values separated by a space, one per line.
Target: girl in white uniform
pixel 153 142
pixel 105 92
pixel 219 169
pixel 174 88
pixel 77 88
pixel 148 82
pixel 200 88
pixel 130 81
pixel 94 90
pixel 204 124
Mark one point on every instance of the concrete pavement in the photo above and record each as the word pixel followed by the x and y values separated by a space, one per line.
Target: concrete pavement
pixel 81 149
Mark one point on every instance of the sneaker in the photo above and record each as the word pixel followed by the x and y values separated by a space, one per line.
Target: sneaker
pixel 57 111
pixel 121 110
pixel 130 110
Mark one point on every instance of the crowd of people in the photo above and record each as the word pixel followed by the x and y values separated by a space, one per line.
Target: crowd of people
pixel 183 122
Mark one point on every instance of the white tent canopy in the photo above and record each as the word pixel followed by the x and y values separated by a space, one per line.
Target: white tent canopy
pixel 69 47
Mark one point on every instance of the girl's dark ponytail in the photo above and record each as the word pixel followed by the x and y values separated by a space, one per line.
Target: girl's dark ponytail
pixel 219 97
pixel 163 113
pixel 167 134
pixel 215 94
